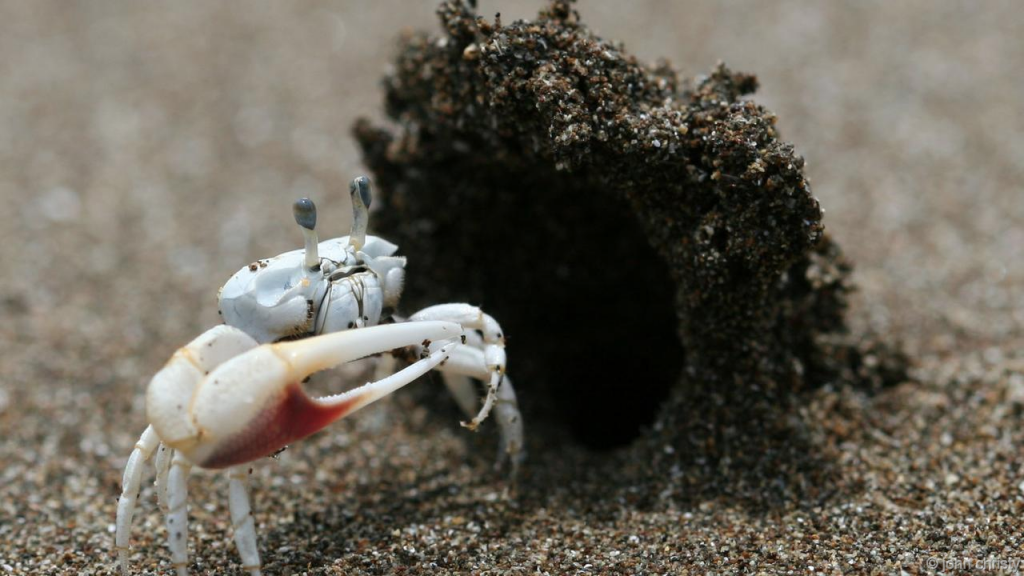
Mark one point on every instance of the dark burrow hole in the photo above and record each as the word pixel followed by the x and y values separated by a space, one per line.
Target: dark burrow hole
pixel 585 301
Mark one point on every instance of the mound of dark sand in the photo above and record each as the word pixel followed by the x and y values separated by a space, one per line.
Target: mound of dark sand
pixel 627 227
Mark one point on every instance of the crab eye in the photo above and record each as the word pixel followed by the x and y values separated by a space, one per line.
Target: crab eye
pixel 362 186
pixel 305 216
pixel 305 213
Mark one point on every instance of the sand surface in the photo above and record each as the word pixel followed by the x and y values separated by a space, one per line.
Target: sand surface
pixel 148 150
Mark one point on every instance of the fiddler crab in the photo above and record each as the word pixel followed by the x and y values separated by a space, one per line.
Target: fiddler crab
pixel 234 394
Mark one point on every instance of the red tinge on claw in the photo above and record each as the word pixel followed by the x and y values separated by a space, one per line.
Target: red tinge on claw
pixel 287 421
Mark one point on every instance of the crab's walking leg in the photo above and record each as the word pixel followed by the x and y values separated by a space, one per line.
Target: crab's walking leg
pixel 164 454
pixel 469 362
pixel 457 376
pixel 177 513
pixel 474 318
pixel 130 493
pixel 463 389
pixel 242 521
pixel 510 426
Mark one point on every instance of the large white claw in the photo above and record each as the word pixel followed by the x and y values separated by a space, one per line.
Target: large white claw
pixel 170 393
pixel 252 403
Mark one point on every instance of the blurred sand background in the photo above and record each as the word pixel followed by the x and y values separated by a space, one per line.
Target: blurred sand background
pixel 148 150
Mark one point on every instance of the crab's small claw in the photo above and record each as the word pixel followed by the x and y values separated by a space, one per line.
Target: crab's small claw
pixel 253 404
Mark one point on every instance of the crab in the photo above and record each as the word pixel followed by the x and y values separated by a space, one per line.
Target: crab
pixel 234 394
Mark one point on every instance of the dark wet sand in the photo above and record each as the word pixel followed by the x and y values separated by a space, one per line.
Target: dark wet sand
pixel 147 152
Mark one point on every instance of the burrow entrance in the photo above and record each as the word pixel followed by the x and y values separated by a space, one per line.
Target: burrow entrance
pixel 586 303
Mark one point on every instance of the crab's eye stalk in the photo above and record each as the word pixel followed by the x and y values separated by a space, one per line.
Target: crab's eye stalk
pixel 361 198
pixel 305 216
pixel 361 186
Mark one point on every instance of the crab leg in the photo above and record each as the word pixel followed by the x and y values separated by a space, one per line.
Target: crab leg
pixel 177 513
pixel 458 375
pixel 467 362
pixel 163 468
pixel 242 520
pixel 130 492
pixel 474 318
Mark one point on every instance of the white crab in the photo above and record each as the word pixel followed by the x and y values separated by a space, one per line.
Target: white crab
pixel 234 394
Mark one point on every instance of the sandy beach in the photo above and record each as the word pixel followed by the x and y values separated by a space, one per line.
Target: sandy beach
pixel 147 151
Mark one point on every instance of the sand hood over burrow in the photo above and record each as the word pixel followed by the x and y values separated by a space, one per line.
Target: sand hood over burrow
pixel 626 226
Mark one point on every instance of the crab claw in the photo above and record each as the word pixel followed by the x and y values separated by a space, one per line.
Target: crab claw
pixel 252 403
